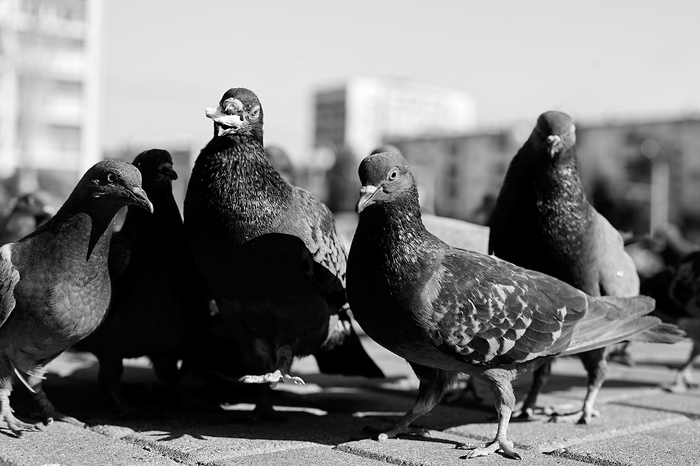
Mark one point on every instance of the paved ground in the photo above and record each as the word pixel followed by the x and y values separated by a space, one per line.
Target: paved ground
pixel 640 424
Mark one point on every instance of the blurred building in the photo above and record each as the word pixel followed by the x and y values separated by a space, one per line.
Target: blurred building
pixel 365 112
pixel 49 74
pixel 641 174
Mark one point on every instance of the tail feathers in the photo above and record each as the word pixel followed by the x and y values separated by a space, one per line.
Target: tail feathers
pixel 612 320
pixel 662 333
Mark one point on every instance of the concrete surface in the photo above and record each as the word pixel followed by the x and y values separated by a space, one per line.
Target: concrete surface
pixel 641 423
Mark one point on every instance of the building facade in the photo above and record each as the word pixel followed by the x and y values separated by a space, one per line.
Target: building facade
pixel 641 174
pixel 49 77
pixel 365 112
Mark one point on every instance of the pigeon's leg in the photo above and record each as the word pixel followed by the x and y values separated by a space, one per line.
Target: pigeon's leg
pixel 596 365
pixel 284 354
pixel 620 354
pixel 6 413
pixel 433 385
pixel 505 401
pixel 684 379
pixel 539 379
pixel 48 410
pixel 166 370
pixel 111 370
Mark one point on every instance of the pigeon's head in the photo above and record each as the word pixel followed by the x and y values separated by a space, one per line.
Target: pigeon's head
pixel 556 131
pixel 239 112
pixel 156 167
pixel 384 177
pixel 114 182
pixel 32 204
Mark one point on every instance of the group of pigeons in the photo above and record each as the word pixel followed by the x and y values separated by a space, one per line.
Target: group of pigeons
pixel 257 273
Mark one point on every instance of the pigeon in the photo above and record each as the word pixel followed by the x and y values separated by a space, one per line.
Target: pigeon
pixel 543 221
pixel 456 310
pixel 159 297
pixel 54 283
pixel 677 294
pixel 270 252
pixel 27 213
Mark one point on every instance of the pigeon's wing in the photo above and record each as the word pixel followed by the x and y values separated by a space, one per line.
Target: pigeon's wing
pixel 9 276
pixel 487 311
pixel 312 221
pixel 617 273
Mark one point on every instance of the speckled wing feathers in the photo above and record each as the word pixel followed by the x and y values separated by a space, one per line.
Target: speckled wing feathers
pixel 9 276
pixel 489 311
pixel 321 238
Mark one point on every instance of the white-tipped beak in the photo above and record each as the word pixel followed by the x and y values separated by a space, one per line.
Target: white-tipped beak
pixel 554 144
pixel 226 123
pixel 366 194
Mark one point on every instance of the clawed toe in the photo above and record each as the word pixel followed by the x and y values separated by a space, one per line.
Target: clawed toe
pixel 273 378
pixel 18 427
pixel 505 448
pixel 383 435
pixel 532 414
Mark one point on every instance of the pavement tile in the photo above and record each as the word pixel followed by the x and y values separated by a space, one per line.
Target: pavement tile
pixel 684 403
pixel 67 445
pixel 239 437
pixel 547 436
pixel 440 450
pixel 306 456
pixel 674 444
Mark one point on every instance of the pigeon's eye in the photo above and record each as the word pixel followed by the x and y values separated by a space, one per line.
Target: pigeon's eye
pixel 393 175
pixel 111 177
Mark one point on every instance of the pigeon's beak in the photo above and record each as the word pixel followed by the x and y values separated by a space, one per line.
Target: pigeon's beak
pixel 554 144
pixel 167 170
pixel 138 195
pixel 366 195
pixel 225 123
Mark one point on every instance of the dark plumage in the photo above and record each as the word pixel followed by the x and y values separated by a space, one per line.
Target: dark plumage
pixel 27 213
pixel 543 221
pixel 159 297
pixel 54 284
pixel 270 251
pixel 460 311
pixel 677 294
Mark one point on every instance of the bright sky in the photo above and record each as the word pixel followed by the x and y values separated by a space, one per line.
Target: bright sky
pixel 164 60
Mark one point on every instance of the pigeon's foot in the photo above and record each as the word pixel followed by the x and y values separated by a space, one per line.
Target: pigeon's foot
pixel 383 435
pixel 273 378
pixel 18 427
pixel 49 411
pixel 505 447
pixel 58 416
pixel 577 417
pixel 684 382
pixel 534 413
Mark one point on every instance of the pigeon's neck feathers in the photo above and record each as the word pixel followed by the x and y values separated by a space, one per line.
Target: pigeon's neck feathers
pixel 559 188
pixel 237 169
pixel 82 220
pixel 394 234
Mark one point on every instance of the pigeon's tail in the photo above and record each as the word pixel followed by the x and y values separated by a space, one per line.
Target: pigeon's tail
pixel 344 354
pixel 611 320
pixel 662 333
